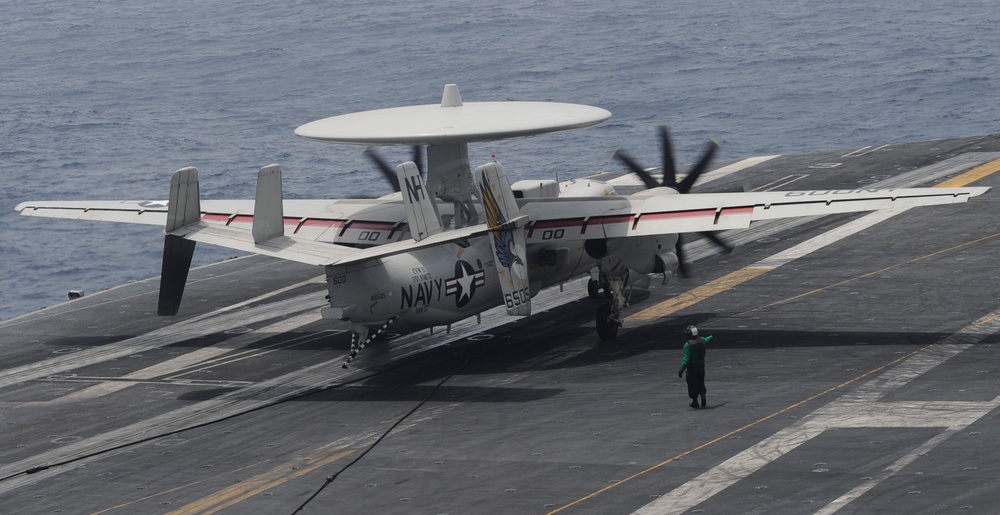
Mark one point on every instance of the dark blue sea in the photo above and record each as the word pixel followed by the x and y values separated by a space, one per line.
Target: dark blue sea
pixel 104 100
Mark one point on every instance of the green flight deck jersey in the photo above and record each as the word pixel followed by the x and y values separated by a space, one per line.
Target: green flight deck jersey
pixel 694 351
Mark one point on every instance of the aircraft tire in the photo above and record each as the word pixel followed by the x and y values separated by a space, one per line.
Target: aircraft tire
pixel 593 289
pixel 607 329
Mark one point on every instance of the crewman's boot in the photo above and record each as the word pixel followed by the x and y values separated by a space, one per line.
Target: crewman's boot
pixel 703 401
pixel 694 403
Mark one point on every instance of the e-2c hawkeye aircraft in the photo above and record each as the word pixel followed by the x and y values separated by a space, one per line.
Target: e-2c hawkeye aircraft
pixel 454 242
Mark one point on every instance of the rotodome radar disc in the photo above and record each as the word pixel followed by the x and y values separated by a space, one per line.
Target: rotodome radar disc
pixel 451 122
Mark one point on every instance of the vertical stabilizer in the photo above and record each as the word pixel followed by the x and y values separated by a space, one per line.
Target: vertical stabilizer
pixel 421 209
pixel 268 213
pixel 506 236
pixel 185 200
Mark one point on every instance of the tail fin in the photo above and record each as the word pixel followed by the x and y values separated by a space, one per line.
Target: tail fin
pixel 185 200
pixel 184 208
pixel 421 209
pixel 268 213
pixel 507 237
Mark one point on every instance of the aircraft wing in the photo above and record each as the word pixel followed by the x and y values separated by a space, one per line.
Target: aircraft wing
pixel 345 221
pixel 641 215
pixel 316 230
pixel 149 212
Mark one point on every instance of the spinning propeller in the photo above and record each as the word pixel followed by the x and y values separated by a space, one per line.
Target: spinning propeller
pixel 670 181
pixel 390 172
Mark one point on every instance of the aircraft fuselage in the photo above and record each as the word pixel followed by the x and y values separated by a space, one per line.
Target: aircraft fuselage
pixel 441 285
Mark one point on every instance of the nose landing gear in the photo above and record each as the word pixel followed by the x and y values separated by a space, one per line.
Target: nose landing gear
pixel 610 315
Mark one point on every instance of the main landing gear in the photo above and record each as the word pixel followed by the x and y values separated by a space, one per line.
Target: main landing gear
pixel 610 314
pixel 360 338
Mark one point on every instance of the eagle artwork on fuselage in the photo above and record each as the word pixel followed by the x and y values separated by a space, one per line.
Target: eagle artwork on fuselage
pixel 427 241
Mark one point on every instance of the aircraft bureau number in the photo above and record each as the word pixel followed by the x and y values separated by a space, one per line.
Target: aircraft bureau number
pixel 517 297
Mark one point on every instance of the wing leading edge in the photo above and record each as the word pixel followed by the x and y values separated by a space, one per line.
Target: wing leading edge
pixel 582 219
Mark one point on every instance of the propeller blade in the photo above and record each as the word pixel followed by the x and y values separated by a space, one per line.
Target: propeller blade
pixel 637 169
pixel 699 168
pixel 679 251
pixel 682 267
pixel 727 248
pixel 388 171
pixel 669 170
pixel 418 158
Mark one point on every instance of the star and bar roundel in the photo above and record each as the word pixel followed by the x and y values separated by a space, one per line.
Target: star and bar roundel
pixel 465 282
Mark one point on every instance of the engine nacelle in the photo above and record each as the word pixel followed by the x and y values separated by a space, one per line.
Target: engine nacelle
pixel 601 248
pixel 668 265
pixel 643 254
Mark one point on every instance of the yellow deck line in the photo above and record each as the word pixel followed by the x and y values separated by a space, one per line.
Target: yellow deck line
pixel 258 484
pixel 692 297
pixel 973 175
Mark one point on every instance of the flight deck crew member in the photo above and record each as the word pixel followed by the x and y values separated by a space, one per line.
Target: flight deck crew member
pixel 694 363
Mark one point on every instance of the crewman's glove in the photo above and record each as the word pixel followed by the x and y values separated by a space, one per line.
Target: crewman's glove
pixel 680 374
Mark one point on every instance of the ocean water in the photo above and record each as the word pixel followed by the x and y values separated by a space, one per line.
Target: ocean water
pixel 104 100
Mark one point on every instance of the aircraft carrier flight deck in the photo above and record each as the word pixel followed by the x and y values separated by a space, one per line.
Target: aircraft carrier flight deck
pixel 854 369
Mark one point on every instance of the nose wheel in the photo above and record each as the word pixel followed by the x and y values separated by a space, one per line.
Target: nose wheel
pixel 593 288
